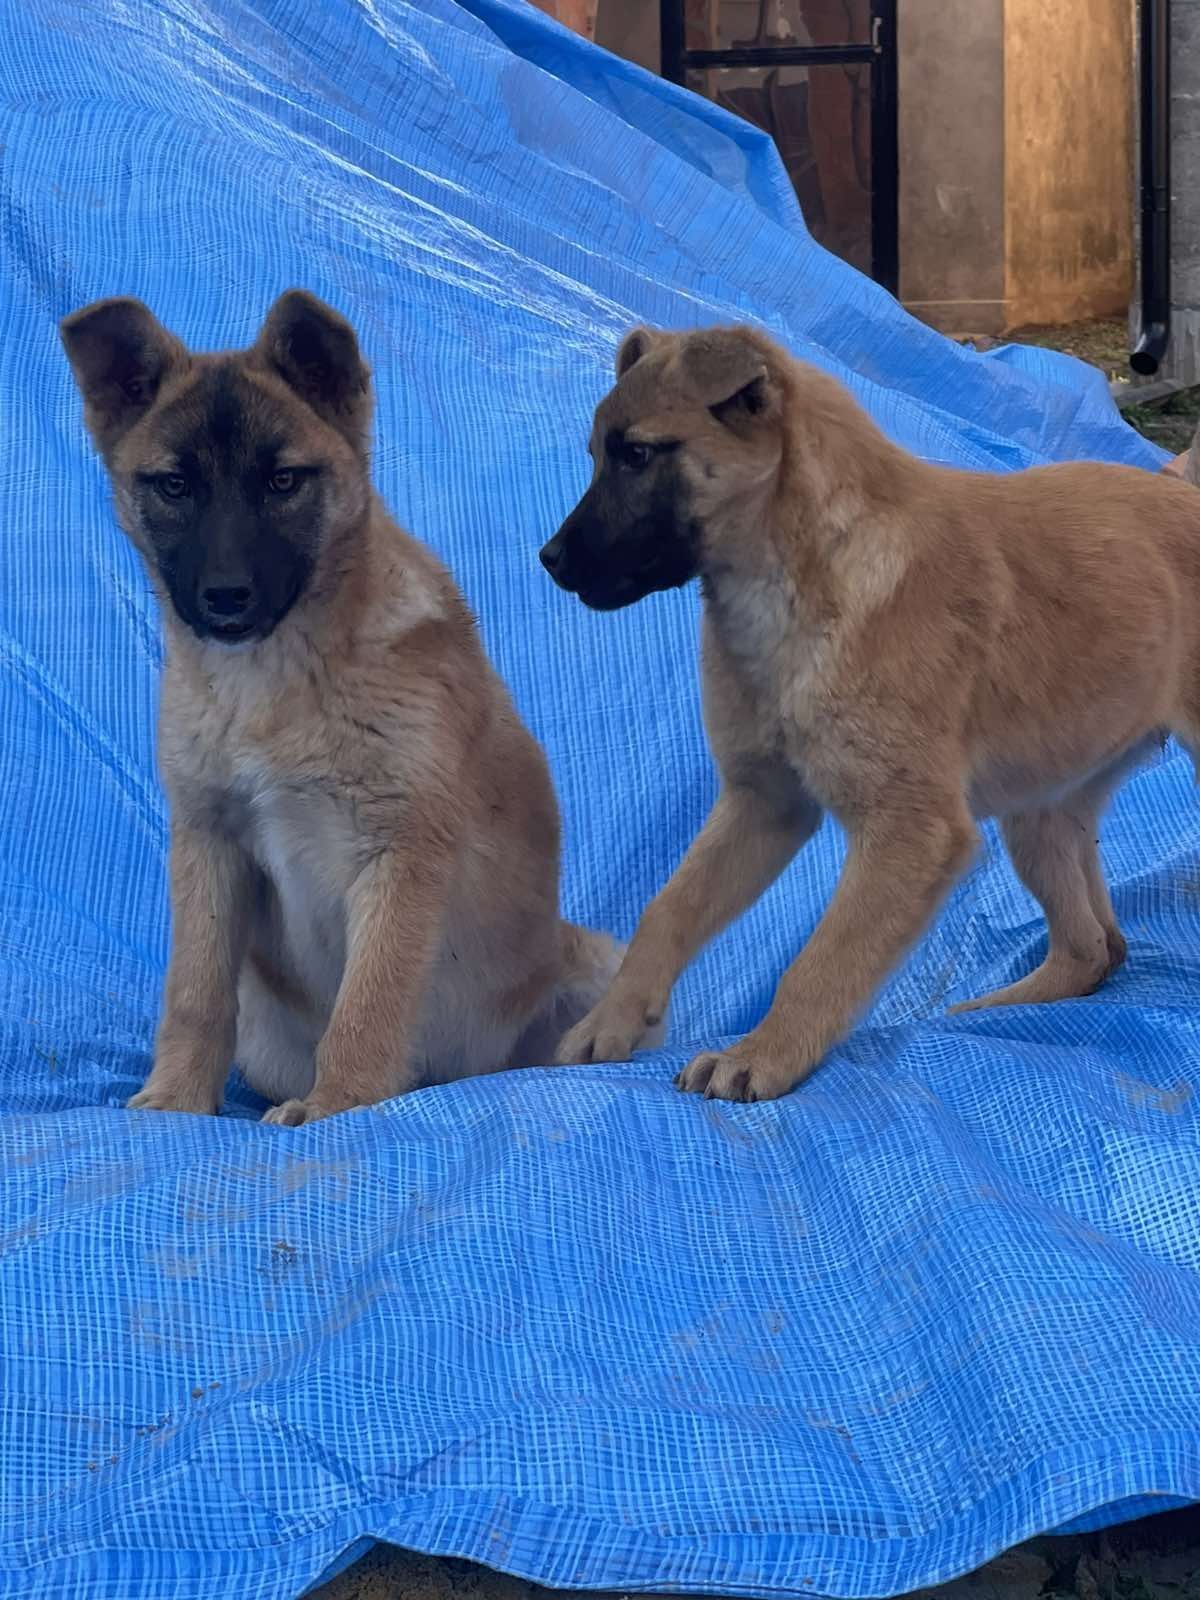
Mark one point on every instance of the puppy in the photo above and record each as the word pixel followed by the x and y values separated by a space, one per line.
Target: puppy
pixel 364 846
pixel 908 647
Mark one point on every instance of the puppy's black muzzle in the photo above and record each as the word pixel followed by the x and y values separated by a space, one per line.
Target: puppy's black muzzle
pixel 553 556
pixel 585 560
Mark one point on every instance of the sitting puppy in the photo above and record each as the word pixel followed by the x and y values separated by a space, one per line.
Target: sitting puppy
pixel 908 647
pixel 364 850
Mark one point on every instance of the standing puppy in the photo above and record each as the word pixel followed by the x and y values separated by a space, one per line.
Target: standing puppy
pixel 364 848
pixel 908 647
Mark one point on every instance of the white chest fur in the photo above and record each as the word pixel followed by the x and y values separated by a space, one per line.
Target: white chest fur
pixel 303 840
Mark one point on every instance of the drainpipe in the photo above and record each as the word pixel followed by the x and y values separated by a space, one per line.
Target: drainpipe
pixel 1154 106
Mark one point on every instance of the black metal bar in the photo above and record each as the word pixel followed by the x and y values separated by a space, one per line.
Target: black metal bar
pixel 784 55
pixel 671 32
pixel 1154 107
pixel 879 55
pixel 885 150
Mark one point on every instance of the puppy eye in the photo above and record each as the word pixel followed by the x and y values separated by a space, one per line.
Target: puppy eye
pixel 172 486
pixel 283 481
pixel 636 456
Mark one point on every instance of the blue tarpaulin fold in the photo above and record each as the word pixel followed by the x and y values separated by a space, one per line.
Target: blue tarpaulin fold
pixel 572 1324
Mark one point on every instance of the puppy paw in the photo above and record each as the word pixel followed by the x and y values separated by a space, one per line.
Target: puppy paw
pixel 747 1071
pixel 612 1032
pixel 293 1113
pixel 173 1097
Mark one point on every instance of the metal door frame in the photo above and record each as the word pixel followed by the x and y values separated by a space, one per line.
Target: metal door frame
pixel 879 54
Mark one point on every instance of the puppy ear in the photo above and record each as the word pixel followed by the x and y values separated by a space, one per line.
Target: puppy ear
pixel 730 372
pixel 314 350
pixel 120 354
pixel 636 343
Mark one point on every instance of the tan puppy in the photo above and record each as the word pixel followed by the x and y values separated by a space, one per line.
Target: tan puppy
pixel 364 852
pixel 908 647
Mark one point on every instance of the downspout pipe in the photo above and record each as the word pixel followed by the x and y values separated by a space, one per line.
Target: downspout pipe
pixel 1154 109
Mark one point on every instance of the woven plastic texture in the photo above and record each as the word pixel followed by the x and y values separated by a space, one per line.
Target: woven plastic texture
pixel 571 1323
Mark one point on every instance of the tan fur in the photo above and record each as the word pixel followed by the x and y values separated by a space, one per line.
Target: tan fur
pixel 912 649
pixel 364 854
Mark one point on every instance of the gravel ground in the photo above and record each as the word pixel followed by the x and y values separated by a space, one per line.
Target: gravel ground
pixel 1170 422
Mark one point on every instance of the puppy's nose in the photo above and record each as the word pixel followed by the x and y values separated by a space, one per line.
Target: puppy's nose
pixel 229 601
pixel 551 555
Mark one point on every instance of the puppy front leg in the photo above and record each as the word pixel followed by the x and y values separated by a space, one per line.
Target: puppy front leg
pixel 394 925
pixel 211 885
pixel 747 841
pixel 897 872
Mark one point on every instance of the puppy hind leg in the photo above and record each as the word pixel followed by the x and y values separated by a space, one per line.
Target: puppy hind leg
pixel 1054 854
pixel 1101 901
pixel 1086 808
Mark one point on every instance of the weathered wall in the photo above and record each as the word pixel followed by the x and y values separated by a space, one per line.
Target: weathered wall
pixel 1016 160
pixel 629 28
pixel 1183 351
pixel 1068 141
pixel 1016 154
pixel 577 14
pixel 951 101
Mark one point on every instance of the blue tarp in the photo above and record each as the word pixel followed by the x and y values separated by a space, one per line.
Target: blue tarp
pixel 573 1324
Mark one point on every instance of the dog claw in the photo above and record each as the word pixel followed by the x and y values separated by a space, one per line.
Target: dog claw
pixel 291 1114
pixel 168 1100
pixel 729 1075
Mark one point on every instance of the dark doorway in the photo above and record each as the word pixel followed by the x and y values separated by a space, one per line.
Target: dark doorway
pixel 820 77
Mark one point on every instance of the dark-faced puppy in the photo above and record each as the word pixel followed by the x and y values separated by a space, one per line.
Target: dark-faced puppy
pixel 907 647
pixel 224 477
pixel 364 836
pixel 639 526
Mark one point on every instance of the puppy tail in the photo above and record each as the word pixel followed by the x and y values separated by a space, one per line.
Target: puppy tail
pixel 589 964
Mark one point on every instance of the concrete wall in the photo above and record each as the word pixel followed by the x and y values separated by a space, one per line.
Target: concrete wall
pixel 629 28
pixel 1016 160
